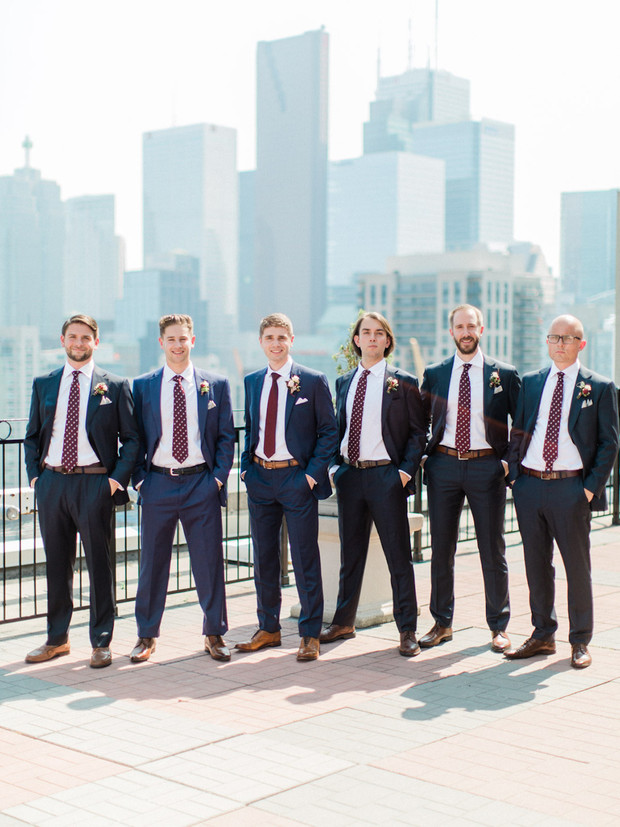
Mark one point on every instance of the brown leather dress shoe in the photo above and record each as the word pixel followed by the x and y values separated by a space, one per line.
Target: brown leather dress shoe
pixel 101 657
pixel 532 646
pixel 436 635
pixel 409 646
pixel 500 642
pixel 216 647
pixel 335 632
pixel 47 652
pixel 143 649
pixel 308 648
pixel 580 657
pixel 259 640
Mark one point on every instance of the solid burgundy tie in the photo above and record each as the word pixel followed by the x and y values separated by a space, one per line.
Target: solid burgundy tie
pixel 463 417
pixel 180 450
pixel 357 413
pixel 69 457
pixel 550 447
pixel 272 417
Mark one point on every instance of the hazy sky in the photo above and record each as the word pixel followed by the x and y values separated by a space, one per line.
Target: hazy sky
pixel 86 78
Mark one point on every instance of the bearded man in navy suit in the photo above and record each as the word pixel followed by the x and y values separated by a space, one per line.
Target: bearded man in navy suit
pixel 78 415
pixel 562 449
pixel 468 399
pixel 290 436
pixel 187 440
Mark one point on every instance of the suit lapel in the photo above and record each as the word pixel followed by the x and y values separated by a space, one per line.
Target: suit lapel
pixel 488 390
pixel 154 395
pixel 345 387
pixel 387 397
pixel 290 397
pixel 576 403
pixel 536 396
pixel 202 401
pixel 94 400
pixel 443 391
pixel 259 381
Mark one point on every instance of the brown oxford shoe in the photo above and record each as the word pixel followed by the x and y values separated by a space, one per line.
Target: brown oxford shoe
pixel 500 642
pixel 436 635
pixel 216 647
pixel 47 652
pixel 143 649
pixel 580 657
pixel 532 646
pixel 335 632
pixel 101 657
pixel 308 648
pixel 260 640
pixel 409 646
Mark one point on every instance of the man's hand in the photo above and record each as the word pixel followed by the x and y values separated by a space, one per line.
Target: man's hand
pixel 589 495
pixel 404 478
pixel 311 482
pixel 114 486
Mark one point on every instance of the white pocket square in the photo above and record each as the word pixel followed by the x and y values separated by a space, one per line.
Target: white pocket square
pixel 105 401
pixel 211 404
pixel 498 389
pixel 301 401
pixel 586 403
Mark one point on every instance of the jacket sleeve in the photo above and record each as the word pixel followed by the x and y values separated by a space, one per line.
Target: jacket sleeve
pixel 326 431
pixel 225 444
pixel 246 456
pixel 32 440
pixel 416 440
pixel 127 435
pixel 606 441
pixel 139 471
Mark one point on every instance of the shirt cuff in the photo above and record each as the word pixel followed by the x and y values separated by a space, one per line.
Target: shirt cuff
pixel 400 471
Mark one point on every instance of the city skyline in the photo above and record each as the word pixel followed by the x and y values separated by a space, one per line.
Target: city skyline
pixel 87 125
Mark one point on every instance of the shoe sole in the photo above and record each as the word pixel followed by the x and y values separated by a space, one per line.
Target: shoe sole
pixel 438 643
pixel 140 658
pixel 304 659
pixel 44 660
pixel 348 636
pixel 100 665
pixel 257 648
pixel 410 654
pixel 533 655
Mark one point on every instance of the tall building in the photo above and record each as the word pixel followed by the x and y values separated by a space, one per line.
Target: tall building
pixel 416 96
pixel 190 206
pixel 588 242
pixel 514 289
pixel 19 364
pixel 31 251
pixel 248 319
pixel 94 258
pixel 291 178
pixel 382 204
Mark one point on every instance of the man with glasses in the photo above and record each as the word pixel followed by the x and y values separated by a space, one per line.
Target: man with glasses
pixel 563 445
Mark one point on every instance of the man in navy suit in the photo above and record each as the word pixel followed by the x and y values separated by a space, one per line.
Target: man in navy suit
pixel 562 449
pixel 78 415
pixel 468 399
pixel 290 437
pixel 187 440
pixel 382 436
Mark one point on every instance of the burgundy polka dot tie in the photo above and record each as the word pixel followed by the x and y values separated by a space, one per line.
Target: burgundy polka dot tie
pixel 272 417
pixel 180 450
pixel 463 417
pixel 550 448
pixel 357 412
pixel 69 457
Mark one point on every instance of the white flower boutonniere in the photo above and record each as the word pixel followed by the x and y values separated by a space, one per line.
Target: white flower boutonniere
pixel 495 381
pixel 204 387
pixel 100 388
pixel 392 384
pixel 293 385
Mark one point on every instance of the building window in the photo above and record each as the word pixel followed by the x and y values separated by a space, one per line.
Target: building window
pixel 373 295
pixel 384 294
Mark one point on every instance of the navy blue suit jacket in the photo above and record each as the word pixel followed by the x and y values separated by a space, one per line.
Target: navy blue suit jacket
pixel 592 426
pixel 403 424
pixel 215 421
pixel 310 427
pixel 106 424
pixel 498 405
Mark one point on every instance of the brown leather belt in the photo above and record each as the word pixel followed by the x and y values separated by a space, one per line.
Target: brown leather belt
pixel 96 468
pixel 271 464
pixel 483 452
pixel 549 475
pixel 367 463
pixel 179 472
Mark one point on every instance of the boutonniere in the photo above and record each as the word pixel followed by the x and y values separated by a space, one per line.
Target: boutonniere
pixel 392 384
pixel 204 387
pixel 584 390
pixel 293 385
pixel 494 380
pixel 100 388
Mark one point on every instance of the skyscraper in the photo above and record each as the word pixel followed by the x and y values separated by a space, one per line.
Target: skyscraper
pixel 291 177
pixel 190 206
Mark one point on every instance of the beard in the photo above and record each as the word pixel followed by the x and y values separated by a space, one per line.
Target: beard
pixel 81 356
pixel 467 347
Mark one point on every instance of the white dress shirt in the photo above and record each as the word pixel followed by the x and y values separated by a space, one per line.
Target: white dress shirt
pixel 282 451
pixel 478 439
pixel 163 455
pixel 372 446
pixel 86 454
pixel 569 458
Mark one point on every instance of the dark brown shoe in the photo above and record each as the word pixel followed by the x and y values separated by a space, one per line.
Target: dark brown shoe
pixel 580 657
pixel 409 646
pixel 47 652
pixel 532 646
pixel 101 657
pixel 335 632
pixel 308 648
pixel 216 647
pixel 500 642
pixel 143 649
pixel 436 635
pixel 259 640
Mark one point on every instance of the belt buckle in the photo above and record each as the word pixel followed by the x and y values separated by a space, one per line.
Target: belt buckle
pixel 458 453
pixel 268 464
pixel 546 475
pixel 174 472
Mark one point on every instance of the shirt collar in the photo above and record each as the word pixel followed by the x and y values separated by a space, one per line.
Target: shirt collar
pixel 87 369
pixel 188 373
pixel 571 372
pixel 477 361
pixel 377 370
pixel 284 371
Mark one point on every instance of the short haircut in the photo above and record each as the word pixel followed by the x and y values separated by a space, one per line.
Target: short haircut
pixel 80 318
pixel 476 310
pixel 276 320
pixel 175 318
pixel 372 314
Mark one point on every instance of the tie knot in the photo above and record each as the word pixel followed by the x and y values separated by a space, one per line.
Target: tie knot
pixel 76 373
pixel 560 375
pixel 365 372
pixel 466 366
pixel 275 377
pixel 178 379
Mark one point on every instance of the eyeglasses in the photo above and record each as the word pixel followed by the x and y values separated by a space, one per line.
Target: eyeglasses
pixel 553 339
